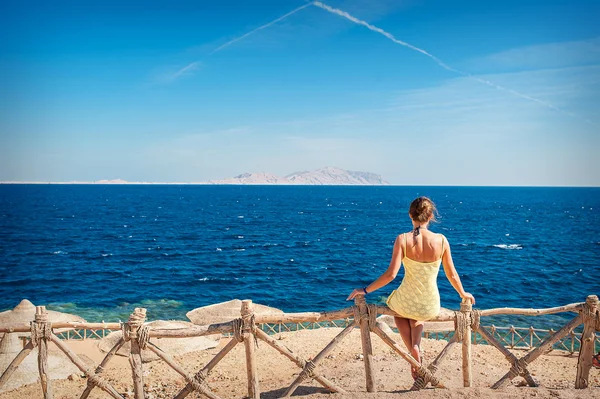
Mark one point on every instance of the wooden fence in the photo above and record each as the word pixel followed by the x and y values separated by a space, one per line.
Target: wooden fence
pixel 245 331
pixel 511 337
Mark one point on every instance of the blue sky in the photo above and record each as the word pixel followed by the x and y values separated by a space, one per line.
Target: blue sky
pixel 102 90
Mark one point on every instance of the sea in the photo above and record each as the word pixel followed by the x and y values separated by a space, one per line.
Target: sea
pixel 99 251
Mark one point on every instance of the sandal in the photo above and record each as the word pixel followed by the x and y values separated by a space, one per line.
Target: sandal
pixel 596 360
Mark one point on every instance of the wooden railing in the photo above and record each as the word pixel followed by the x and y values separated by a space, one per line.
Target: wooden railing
pixel 511 337
pixel 246 330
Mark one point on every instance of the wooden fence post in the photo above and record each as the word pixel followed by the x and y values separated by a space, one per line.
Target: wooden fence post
pixel 586 349
pixel 136 321
pixel 466 308
pixel 41 330
pixel 365 335
pixel 248 327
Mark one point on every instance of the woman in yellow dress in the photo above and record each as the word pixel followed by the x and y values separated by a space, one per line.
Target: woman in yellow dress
pixel 417 299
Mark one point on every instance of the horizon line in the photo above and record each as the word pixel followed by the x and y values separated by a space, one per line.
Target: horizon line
pixel 208 183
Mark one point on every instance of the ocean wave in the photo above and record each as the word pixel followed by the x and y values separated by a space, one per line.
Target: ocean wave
pixel 508 246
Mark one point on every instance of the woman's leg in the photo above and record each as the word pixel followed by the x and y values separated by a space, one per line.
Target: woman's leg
pixel 404 330
pixel 416 330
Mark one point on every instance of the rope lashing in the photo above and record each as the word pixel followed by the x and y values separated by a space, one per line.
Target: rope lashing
pixel 307 371
pixel 95 380
pixel 142 333
pixel 517 368
pixel 197 381
pixel 125 331
pixel 419 384
pixel 238 333
pixel 241 327
pixel 466 306
pixel 248 324
pixel 475 319
pixel 39 331
pixel 426 377
pixel 143 336
pixel 461 323
pixel 372 314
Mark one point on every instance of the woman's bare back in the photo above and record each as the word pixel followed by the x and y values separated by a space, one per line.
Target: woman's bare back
pixel 425 247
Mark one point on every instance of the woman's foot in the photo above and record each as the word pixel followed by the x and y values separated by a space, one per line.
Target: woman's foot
pixel 415 352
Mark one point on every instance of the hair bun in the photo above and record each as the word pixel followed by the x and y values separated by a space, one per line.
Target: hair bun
pixel 422 210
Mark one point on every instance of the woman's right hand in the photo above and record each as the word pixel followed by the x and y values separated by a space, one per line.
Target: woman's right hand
pixel 470 297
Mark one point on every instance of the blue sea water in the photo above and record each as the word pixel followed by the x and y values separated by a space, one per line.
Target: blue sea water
pixel 101 250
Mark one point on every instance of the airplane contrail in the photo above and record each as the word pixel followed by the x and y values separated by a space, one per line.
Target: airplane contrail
pixel 373 28
pixel 192 66
pixel 221 47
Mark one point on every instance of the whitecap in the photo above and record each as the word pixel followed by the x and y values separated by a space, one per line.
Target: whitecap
pixel 219 249
pixel 240 236
pixel 59 252
pixel 240 249
pixel 240 217
pixel 203 279
pixel 509 246
pixel 105 255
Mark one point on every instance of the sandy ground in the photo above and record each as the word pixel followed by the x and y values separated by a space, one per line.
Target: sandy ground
pixel 555 372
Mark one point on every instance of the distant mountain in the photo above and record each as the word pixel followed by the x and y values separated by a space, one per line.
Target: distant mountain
pixel 335 176
pixel 253 178
pixel 323 176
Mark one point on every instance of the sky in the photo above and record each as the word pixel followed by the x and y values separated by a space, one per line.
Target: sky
pixel 469 93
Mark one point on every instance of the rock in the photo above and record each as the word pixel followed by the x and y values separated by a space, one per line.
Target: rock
pixel 73 377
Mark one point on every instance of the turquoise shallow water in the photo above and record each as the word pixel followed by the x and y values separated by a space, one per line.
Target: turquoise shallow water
pixel 99 251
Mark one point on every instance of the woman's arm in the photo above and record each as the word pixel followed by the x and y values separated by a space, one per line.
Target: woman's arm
pixel 387 276
pixel 451 272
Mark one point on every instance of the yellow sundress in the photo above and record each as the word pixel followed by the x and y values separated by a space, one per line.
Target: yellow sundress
pixel 417 297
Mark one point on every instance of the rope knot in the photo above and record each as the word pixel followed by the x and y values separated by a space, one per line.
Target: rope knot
pixel 238 325
pixel 143 336
pixel 125 332
pixel 40 330
pixel 518 368
pixel 196 382
pixel 461 323
pixel 372 315
pixel 308 370
pixel 96 380
pixel 475 319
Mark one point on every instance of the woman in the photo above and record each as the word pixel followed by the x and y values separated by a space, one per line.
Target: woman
pixel 417 299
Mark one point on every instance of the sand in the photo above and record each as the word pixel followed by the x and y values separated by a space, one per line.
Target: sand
pixel 555 372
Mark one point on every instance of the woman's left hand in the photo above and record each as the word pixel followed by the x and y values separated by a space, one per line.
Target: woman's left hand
pixel 357 291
